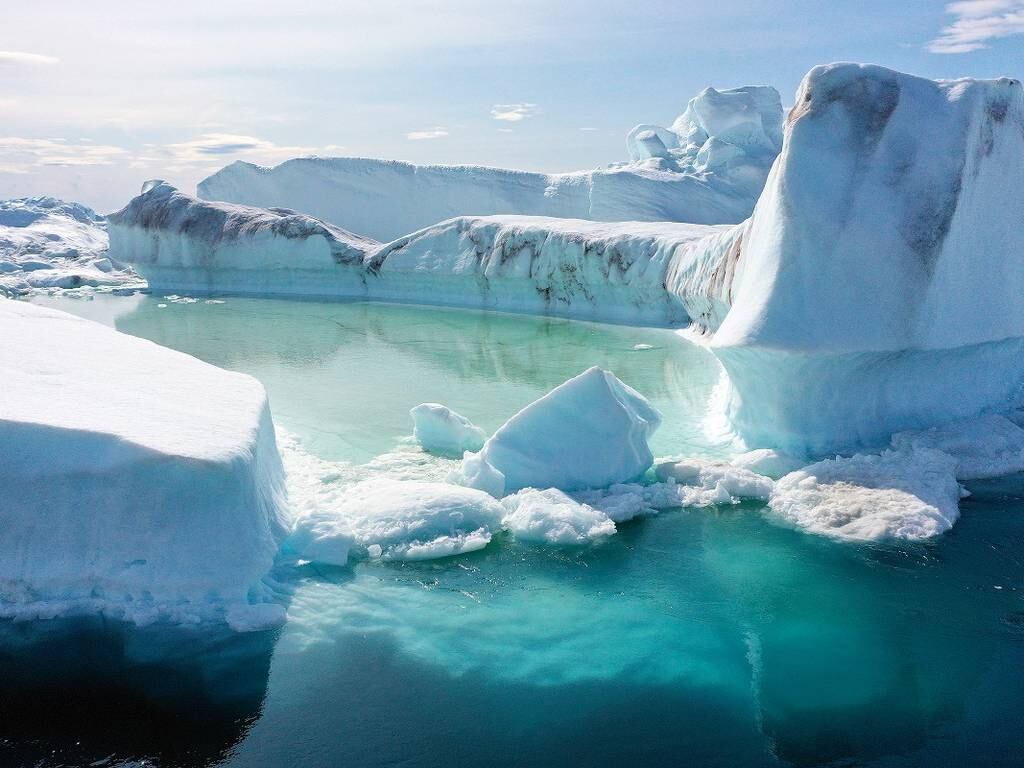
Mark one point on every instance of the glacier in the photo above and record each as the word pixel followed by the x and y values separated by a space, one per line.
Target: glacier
pixel 721 149
pixel 46 243
pixel 157 476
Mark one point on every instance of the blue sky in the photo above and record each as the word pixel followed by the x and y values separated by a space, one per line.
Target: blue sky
pixel 97 97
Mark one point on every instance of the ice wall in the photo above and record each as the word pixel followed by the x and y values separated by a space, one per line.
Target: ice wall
pixel 707 169
pixel 877 285
pixel 138 482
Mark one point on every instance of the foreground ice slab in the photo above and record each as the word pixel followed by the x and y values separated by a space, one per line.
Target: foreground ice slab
pixel 181 243
pixel 876 287
pixel 138 482
pixel 49 243
pixel 589 432
pixel 718 156
pixel 584 269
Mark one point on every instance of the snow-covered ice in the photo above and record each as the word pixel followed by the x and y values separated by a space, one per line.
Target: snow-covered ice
pixel 439 429
pixel 398 520
pixel 552 517
pixel 183 244
pixel 48 243
pixel 893 495
pixel 138 482
pixel 589 432
pixel 989 446
pixel 707 169
pixel 724 481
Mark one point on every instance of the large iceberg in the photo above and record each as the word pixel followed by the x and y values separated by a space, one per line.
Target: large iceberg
pixel 876 287
pixel 138 482
pixel 720 152
pixel 589 432
pixel 49 243
pixel 583 269
pixel 179 242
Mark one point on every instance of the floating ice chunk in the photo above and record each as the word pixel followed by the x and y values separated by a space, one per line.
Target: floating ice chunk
pixel 588 432
pixel 439 429
pixel 551 516
pixel 138 482
pixel 724 482
pixel 989 446
pixel 900 495
pixel 397 520
pixel 768 462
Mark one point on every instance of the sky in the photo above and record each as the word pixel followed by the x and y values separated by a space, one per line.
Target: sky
pixel 97 97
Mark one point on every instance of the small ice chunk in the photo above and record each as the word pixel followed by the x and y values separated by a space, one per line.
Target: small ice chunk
pixel 985 447
pixel 726 481
pixel 588 432
pixel 768 462
pixel 398 520
pixel 441 430
pixel 551 516
pixel 893 495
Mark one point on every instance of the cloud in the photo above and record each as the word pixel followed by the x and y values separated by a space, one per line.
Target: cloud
pixel 433 133
pixel 18 58
pixel 513 113
pixel 976 23
pixel 211 147
pixel 23 154
pixel 587 128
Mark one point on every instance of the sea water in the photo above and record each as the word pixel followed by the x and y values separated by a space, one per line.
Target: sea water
pixel 695 637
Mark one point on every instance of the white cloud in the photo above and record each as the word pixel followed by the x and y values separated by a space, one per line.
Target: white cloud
pixel 504 130
pixel 16 58
pixel 23 154
pixel 217 147
pixel 513 113
pixel 433 133
pixel 588 128
pixel 976 23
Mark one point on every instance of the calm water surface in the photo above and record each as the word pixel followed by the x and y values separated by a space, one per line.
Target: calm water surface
pixel 695 638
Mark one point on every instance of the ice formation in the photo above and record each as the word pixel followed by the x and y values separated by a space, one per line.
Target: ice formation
pixel 398 520
pixel 589 270
pixel 439 429
pixel 138 482
pixel 708 169
pixel 184 244
pixel 876 287
pixel 552 517
pixel 49 243
pixel 892 495
pixel 989 446
pixel 588 432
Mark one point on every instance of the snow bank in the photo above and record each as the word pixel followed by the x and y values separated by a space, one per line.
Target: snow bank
pixel 588 432
pixel 892 495
pixel 876 287
pixel 180 243
pixel 398 520
pixel 583 269
pixel 441 430
pixel 49 243
pixel 138 482
pixel 708 169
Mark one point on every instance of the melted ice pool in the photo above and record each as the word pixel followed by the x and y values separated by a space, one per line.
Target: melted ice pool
pixel 696 637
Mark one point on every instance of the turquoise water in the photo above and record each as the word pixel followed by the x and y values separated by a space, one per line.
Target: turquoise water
pixel 697 637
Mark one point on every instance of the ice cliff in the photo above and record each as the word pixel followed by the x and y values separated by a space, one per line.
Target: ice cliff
pixel 877 285
pixel 715 163
pixel 49 243
pixel 138 482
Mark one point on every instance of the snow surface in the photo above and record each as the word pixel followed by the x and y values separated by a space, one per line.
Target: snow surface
pixel 180 243
pixel 589 432
pixel 138 482
pixel 552 517
pixel 49 243
pixel 989 446
pixel 709 169
pixel 439 429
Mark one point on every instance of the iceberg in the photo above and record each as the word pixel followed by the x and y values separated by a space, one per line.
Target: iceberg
pixel 183 244
pixel 876 287
pixel 441 430
pixel 552 517
pixel 47 243
pixel 138 482
pixel 709 169
pixel 589 432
